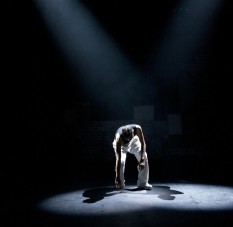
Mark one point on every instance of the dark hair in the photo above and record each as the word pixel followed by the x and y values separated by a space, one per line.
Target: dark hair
pixel 126 134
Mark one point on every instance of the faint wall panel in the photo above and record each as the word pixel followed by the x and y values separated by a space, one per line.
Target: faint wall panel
pixel 174 124
pixel 143 112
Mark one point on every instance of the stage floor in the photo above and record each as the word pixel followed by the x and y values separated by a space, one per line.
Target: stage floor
pixel 167 204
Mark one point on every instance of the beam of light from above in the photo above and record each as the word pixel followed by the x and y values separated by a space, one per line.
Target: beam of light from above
pixel 96 61
pixel 189 30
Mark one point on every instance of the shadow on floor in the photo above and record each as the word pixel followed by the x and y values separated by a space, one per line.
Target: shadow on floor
pixel 94 195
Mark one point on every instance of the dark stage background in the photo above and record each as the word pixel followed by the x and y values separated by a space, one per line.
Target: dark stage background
pixel 61 136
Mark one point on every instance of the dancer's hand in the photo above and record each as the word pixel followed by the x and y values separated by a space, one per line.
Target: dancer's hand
pixel 118 182
pixel 142 164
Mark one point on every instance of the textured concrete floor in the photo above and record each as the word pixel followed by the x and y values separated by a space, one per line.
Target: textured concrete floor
pixel 167 204
pixel 180 197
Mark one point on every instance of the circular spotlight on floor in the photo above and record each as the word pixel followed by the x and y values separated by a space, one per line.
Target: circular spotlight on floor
pixel 170 196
